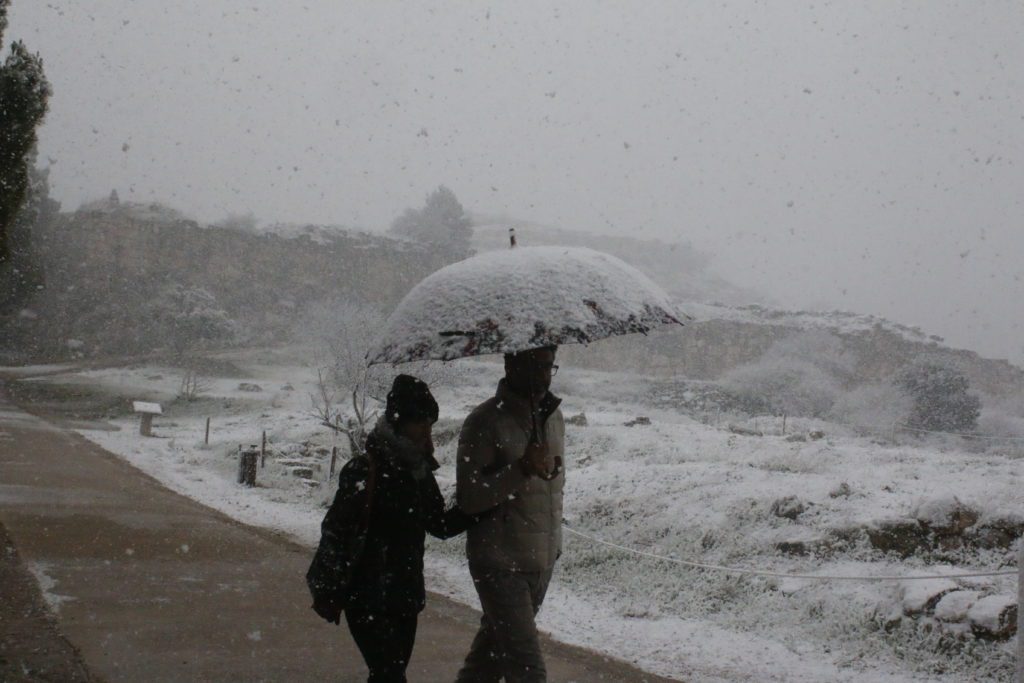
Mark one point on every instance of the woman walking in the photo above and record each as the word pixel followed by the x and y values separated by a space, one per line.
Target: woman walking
pixel 370 560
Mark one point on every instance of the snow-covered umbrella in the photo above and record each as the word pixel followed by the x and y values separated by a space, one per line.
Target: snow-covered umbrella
pixel 519 299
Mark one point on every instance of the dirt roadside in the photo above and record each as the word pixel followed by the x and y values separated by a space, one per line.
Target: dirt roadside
pixel 152 586
pixel 31 646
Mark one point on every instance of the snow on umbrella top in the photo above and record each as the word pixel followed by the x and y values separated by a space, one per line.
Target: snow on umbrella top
pixel 519 299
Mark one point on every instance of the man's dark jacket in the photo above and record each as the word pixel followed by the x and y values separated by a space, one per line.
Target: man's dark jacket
pixel 407 504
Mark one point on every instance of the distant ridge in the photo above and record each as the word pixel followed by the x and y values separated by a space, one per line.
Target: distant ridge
pixel 683 271
pixel 733 325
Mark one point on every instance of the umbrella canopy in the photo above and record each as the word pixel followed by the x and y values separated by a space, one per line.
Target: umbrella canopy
pixel 518 299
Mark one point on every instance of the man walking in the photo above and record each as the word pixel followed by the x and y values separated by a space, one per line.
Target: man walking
pixel 510 464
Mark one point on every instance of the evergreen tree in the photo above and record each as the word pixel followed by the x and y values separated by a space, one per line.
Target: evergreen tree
pixel 441 223
pixel 22 273
pixel 24 92
pixel 941 400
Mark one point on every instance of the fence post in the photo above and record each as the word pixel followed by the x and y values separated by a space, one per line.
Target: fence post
pixel 334 459
pixel 207 439
pixel 263 451
pixel 247 461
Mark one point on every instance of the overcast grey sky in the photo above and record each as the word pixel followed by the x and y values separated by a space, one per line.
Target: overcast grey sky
pixel 859 155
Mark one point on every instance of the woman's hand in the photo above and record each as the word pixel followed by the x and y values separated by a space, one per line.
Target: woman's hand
pixel 328 611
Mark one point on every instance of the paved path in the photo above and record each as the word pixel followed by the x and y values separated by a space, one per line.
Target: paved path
pixel 151 586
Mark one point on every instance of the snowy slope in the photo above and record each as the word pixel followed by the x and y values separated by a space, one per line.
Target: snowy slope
pixel 676 488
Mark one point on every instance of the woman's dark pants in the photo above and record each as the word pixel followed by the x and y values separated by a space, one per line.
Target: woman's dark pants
pixel 385 641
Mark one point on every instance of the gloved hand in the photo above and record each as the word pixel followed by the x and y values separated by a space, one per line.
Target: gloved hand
pixel 555 470
pixel 535 461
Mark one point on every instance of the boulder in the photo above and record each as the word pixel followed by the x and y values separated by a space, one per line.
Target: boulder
pixel 577 420
pixel 249 386
pixel 641 421
pixel 953 606
pixel 946 515
pixel 994 616
pixel 922 596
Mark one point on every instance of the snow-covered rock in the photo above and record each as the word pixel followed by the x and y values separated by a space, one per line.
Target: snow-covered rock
pixel 954 606
pixel 923 595
pixel 946 514
pixel 995 616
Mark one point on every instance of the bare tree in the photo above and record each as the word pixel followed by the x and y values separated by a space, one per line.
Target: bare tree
pixel 346 332
pixel 193 384
pixel 323 399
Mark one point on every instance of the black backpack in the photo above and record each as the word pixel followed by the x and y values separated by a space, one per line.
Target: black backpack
pixel 329 576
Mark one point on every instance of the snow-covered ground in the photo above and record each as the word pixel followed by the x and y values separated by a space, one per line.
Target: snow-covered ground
pixel 675 487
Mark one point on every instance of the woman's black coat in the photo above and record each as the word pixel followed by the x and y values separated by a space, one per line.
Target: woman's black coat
pixel 388 577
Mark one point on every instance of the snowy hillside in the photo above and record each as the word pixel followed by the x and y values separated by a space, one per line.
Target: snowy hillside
pixel 646 474
pixel 839 322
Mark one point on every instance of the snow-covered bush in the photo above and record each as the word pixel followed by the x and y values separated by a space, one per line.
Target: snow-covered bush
pixel 188 317
pixel 940 396
pixel 872 407
pixel 801 375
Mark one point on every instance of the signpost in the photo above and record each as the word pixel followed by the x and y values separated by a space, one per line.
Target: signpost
pixel 147 410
